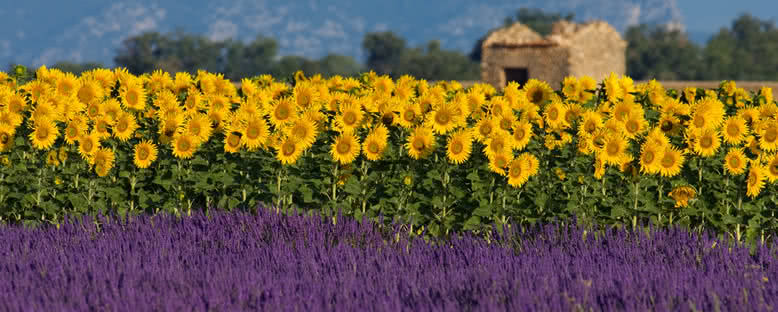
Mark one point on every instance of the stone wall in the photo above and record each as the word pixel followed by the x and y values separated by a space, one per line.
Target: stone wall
pixel 549 63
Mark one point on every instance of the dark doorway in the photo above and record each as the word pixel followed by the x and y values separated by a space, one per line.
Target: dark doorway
pixel 519 75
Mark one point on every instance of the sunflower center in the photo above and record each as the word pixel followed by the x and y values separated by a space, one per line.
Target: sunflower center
pixel 553 113
pixel 122 126
pixel 72 131
pixel 734 162
pixel 774 168
pixel 282 113
pixel 733 130
pixel 372 147
pixel 590 127
pixel 442 118
pixel 668 161
pixel 456 147
pixel 43 133
pixel 93 110
pixel 418 144
pixel 343 147
pixel 515 172
pixel 288 148
pixel 752 179
pixel 132 97
pixel 536 96
pixel 706 142
pixel 612 148
pixel 252 132
pixel 667 125
pixel 87 144
pixel 505 124
pixel 648 157
pixel 409 115
pixel 183 145
pixel 300 132
pixel 194 129
pixel 771 134
pixel 169 131
pixel 699 120
pixel 485 130
pixel 143 154
pixel 632 126
pixel 233 140
pixel 349 118
pixel 570 116
pixel 497 146
pixel 519 134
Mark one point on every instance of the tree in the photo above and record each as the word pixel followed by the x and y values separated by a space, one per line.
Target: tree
pixel 536 19
pixel 655 52
pixel 384 50
pixel 748 51
pixel 256 58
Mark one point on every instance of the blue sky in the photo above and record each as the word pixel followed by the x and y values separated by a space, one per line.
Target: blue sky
pixel 711 15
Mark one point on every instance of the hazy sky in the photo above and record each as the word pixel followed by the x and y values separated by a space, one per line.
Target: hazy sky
pixel 711 15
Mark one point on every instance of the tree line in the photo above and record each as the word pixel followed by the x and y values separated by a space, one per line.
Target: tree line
pixel 748 50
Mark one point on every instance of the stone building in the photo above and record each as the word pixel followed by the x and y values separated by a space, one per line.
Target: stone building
pixel 517 53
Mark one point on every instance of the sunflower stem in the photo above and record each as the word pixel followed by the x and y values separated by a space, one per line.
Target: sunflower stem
pixel 334 188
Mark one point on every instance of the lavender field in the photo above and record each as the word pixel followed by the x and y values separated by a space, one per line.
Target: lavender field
pixel 239 261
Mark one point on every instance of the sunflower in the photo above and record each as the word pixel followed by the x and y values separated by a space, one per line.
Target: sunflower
pixel 133 96
pixel 199 127
pixel 635 125
pixel 669 124
pixel 6 137
pixel 500 142
pixel 707 143
pixel 103 161
pixel 555 115
pixel 373 146
pixel 517 173
pixel 255 133
pixel 614 151
pixel 345 149
pixel 102 126
pixel 755 181
pixel 591 121
pixel 772 168
pixel 522 133
pixel 184 146
pixel 735 162
pixel 484 129
pixel 420 142
pixel 217 118
pixel 649 158
pixel 682 195
pixel 658 138
pixel 145 154
pixel 671 162
pixel 768 136
pixel 305 130
pixel 282 112
pixel 538 92
pixel 87 145
pixel 499 162
pixel 232 139
pixel 735 130
pixel 16 102
pixel 169 127
pixel 350 117
pixel 622 110
pixel 44 134
pixel 460 145
pixel 125 126
pixel 409 114
pixel 443 119
pixel 51 158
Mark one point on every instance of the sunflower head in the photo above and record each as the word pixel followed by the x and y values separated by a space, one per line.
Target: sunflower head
pixel 145 154
pixel 682 195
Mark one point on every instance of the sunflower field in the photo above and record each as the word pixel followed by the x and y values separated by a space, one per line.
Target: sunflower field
pixel 435 155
